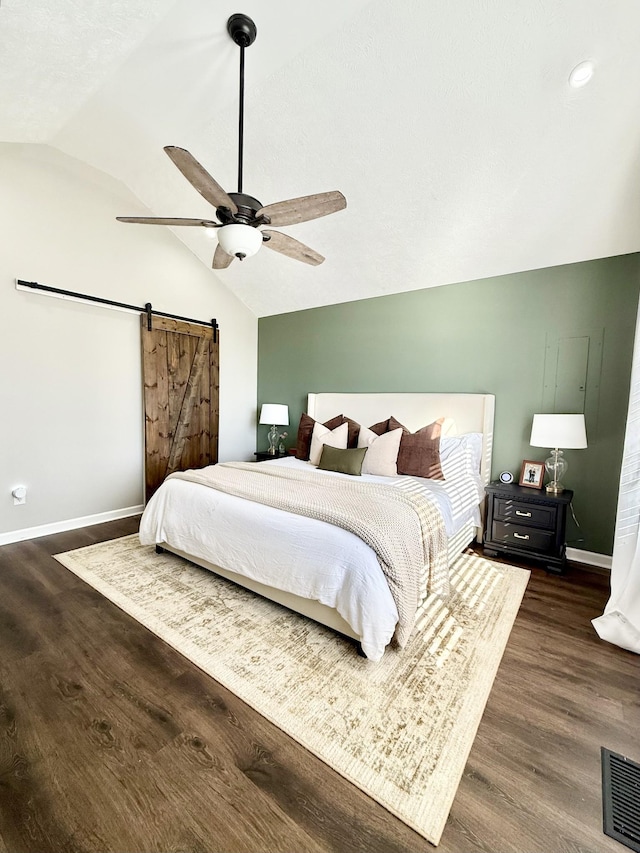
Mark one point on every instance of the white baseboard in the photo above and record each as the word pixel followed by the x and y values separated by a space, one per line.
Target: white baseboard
pixel 69 524
pixel 576 555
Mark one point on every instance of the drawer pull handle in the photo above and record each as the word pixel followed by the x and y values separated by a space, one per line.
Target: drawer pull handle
pixel 519 536
pixel 523 514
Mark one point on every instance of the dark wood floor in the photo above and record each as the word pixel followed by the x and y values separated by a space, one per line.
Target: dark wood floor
pixel 111 741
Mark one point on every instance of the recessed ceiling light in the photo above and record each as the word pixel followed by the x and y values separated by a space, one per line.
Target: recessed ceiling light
pixel 581 74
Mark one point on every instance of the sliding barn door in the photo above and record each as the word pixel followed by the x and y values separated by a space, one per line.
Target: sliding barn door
pixel 180 368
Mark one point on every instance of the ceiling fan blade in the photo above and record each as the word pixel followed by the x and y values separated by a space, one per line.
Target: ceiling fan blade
pixel 304 208
pixel 293 248
pixel 198 177
pixel 153 220
pixel 220 259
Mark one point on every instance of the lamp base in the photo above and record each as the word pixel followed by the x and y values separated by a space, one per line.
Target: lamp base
pixel 273 440
pixel 555 488
pixel 556 466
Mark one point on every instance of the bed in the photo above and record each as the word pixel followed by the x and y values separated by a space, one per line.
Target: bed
pixel 317 569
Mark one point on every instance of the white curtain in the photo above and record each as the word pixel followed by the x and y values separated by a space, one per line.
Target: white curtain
pixel 620 622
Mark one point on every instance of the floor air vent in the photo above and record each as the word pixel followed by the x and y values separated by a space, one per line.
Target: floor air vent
pixel 621 798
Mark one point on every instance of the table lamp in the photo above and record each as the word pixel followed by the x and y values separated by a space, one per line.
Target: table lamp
pixel 275 414
pixel 557 431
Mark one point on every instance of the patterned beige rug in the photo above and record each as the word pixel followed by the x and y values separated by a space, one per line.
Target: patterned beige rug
pixel 400 729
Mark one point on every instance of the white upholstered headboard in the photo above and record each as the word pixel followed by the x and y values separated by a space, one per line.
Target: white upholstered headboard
pixel 471 412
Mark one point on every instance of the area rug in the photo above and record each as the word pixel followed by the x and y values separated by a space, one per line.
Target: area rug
pixel 400 729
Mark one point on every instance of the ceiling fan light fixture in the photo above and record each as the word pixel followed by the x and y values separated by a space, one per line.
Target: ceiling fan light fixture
pixel 239 241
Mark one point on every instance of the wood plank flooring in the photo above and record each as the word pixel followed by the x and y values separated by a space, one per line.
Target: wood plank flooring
pixel 112 741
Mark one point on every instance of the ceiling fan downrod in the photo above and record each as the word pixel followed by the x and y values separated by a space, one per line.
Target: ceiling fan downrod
pixel 243 31
pixel 240 217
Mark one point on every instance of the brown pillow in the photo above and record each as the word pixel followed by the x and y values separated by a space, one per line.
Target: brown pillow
pixel 419 454
pixel 354 431
pixel 381 428
pixel 305 430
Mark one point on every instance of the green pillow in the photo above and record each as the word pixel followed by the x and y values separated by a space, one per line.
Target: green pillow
pixel 342 461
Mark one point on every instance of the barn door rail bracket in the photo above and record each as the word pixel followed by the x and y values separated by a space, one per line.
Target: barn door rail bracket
pixel 110 303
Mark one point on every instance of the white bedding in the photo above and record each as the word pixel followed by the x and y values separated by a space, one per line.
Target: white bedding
pixel 300 555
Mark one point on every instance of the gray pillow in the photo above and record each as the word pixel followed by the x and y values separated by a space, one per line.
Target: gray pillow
pixel 342 461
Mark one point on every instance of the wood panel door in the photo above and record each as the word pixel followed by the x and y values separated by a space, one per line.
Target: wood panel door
pixel 180 370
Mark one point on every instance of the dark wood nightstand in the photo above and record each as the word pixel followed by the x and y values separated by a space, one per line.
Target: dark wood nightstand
pixel 264 455
pixel 527 523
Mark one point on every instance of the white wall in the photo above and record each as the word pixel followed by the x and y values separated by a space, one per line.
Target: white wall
pixel 71 422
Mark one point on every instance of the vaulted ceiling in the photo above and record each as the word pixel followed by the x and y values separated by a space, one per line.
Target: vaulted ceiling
pixel 451 128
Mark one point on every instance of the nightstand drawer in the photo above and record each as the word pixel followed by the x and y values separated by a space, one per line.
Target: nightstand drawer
pixel 519 536
pixel 519 512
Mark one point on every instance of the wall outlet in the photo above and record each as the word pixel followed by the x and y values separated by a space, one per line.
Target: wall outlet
pixel 19 495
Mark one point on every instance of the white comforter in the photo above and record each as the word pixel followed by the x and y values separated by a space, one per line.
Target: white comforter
pixel 291 552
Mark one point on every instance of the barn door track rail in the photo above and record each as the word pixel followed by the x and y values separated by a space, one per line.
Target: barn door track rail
pixel 110 303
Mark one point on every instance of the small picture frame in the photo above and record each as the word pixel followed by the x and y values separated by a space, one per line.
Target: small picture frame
pixel 532 474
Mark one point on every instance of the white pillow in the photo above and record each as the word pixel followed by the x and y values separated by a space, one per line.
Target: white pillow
pixel 381 457
pixel 320 436
pixel 461 455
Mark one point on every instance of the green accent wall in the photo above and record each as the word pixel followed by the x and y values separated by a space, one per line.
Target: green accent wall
pixel 497 335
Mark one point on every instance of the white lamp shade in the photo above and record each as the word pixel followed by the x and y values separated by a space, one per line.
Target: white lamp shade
pixel 274 413
pixel 559 431
pixel 238 239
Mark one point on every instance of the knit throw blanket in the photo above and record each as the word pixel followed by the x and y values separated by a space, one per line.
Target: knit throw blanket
pixel 404 529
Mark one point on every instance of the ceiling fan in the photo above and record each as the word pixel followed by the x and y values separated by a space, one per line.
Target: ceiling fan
pixel 241 216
